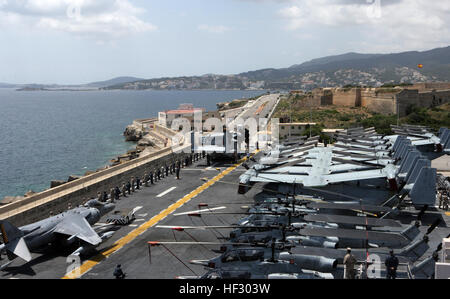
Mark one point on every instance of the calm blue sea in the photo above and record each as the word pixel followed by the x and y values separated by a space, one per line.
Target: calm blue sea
pixel 51 135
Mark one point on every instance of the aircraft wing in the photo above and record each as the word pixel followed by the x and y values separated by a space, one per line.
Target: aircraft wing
pixel 346 206
pixel 363 221
pixel 361 255
pixel 393 238
pixel 77 226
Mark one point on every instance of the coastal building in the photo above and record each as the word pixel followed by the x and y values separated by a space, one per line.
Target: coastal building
pixel 294 129
pixel 186 111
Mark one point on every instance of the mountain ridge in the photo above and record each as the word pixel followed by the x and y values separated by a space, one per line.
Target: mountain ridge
pixel 337 70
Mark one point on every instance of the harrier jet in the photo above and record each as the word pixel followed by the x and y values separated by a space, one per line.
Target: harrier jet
pixel 66 229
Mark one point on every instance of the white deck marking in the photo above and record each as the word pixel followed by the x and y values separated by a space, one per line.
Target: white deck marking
pixel 166 192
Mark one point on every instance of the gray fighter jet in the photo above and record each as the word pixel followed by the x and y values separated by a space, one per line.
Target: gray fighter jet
pixel 65 229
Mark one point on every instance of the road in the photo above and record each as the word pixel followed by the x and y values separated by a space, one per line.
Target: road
pixel 262 107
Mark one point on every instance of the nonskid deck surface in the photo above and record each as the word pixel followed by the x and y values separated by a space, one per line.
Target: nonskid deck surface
pixel 128 246
pixel 215 186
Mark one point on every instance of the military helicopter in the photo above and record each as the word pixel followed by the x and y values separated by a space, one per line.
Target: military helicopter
pixel 246 274
pixel 260 261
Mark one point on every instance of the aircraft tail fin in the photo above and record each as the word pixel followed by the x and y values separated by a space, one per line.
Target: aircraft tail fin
pixel 415 250
pixel 13 241
pixel 425 269
pixel 9 232
pixel 412 231
pixel 424 189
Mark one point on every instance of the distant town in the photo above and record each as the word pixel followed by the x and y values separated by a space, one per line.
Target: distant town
pixel 308 81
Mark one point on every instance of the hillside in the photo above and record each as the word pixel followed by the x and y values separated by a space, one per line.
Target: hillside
pixel 365 69
pixel 115 81
pixel 88 86
pixel 332 71
pixel 7 85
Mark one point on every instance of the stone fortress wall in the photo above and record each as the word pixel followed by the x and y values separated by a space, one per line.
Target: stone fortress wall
pixel 381 100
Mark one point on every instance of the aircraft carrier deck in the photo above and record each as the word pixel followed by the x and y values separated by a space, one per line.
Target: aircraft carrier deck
pixel 216 186
pixel 128 246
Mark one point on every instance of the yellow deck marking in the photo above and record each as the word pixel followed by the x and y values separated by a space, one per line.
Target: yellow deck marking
pixel 447 213
pixel 88 265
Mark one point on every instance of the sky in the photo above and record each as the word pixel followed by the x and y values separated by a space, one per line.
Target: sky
pixel 81 41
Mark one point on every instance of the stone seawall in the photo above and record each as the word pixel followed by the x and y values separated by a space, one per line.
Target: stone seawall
pixel 57 200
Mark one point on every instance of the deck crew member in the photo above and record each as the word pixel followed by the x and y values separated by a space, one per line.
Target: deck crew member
pixel 391 266
pixel 349 262
pixel 138 183
pixel 118 273
pixel 105 196
pixel 129 187
pixel 112 194
pixel 124 190
pixel 99 197
pixel 445 201
pixel 117 191
pixel 178 169
pixel 133 181
pixel 146 179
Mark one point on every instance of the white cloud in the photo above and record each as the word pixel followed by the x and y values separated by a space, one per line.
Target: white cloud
pixel 213 29
pixel 98 19
pixel 391 25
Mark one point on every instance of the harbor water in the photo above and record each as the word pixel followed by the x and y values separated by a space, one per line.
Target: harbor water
pixel 50 135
